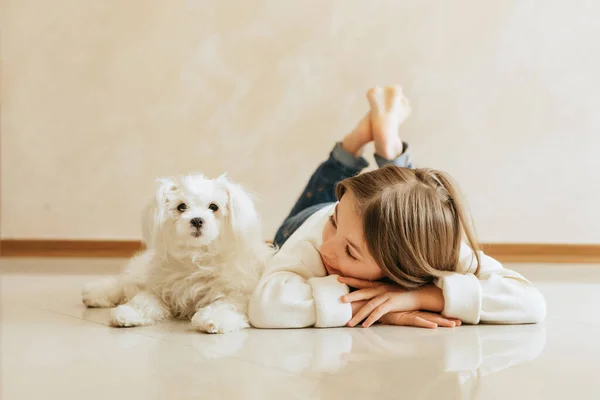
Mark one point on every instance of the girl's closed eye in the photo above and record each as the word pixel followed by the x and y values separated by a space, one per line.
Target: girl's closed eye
pixel 332 221
pixel 349 253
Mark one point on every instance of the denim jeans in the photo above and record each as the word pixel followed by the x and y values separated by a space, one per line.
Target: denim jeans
pixel 320 190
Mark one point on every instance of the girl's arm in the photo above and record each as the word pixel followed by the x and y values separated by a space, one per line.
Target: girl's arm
pixel 295 292
pixel 495 295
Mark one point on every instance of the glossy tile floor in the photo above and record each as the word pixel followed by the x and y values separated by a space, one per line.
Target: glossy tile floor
pixel 52 347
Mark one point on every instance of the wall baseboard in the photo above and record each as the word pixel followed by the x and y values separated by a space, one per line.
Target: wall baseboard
pixel 68 248
pixel 543 252
pixel 504 252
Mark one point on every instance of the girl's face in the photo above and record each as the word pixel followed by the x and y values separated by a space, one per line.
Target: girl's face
pixel 344 250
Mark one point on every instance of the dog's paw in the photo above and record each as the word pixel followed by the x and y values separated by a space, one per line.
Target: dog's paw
pixel 219 318
pixel 125 316
pixel 101 294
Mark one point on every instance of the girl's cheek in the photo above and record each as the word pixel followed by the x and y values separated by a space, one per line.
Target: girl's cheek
pixel 378 274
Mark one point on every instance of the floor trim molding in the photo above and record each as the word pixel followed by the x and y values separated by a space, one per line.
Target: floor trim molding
pixel 544 252
pixel 68 248
pixel 505 252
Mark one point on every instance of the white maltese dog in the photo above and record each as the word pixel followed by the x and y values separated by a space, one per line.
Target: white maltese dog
pixel 204 258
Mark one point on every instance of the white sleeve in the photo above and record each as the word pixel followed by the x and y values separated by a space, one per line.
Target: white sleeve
pixel 495 295
pixel 294 292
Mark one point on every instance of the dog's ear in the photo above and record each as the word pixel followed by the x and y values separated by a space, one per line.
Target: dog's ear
pixel 242 212
pixel 154 213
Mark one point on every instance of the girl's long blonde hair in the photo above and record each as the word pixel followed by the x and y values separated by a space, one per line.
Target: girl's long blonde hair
pixel 414 222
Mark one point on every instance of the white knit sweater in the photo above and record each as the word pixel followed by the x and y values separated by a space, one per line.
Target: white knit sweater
pixel 295 290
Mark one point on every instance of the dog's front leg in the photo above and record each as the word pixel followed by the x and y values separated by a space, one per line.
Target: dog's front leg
pixel 113 291
pixel 103 293
pixel 143 309
pixel 109 292
pixel 219 317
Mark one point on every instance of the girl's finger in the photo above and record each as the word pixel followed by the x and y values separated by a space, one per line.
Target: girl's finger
pixel 412 319
pixel 439 319
pixel 362 294
pixel 423 323
pixel 443 321
pixel 376 314
pixel 358 283
pixel 457 322
pixel 366 310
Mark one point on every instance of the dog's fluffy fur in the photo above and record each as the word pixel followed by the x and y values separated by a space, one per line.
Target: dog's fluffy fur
pixel 204 257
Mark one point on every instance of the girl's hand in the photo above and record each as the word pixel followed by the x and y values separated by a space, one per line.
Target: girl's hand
pixel 357 305
pixel 385 298
pixel 420 319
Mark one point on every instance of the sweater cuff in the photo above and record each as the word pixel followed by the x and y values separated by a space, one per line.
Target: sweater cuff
pixel 462 297
pixel 327 292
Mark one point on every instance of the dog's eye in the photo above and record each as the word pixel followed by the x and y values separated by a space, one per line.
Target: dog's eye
pixel 182 207
pixel 213 207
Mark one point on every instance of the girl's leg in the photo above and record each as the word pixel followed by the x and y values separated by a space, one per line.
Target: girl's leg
pixel 344 161
pixel 389 109
pixel 294 222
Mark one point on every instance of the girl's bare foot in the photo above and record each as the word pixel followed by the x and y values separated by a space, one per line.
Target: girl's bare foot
pixel 359 137
pixel 389 109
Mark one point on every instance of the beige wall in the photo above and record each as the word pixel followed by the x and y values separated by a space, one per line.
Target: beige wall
pixel 100 97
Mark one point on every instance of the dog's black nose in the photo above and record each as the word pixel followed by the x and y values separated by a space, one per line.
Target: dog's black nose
pixel 197 222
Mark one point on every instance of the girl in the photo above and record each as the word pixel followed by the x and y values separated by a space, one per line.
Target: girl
pixel 398 235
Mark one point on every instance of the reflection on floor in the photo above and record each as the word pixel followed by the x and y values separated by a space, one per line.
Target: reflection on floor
pixel 53 347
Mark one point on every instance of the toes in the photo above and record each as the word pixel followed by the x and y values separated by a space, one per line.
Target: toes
pixel 223 320
pixel 391 96
pixel 375 95
pixel 394 96
pixel 96 300
pixel 387 98
pixel 103 293
pixel 404 103
pixel 95 303
pixel 395 91
pixel 212 328
pixel 207 326
pixel 390 102
pixel 202 322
